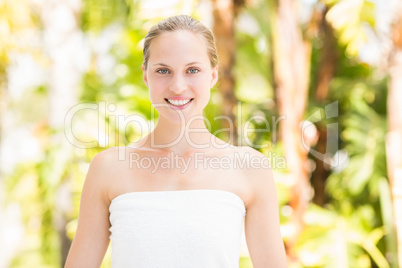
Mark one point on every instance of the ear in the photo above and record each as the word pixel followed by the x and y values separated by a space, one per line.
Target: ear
pixel 144 75
pixel 214 79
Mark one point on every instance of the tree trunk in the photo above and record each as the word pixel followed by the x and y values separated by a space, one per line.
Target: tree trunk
pixel 394 135
pixel 291 70
pixel 224 13
pixel 325 74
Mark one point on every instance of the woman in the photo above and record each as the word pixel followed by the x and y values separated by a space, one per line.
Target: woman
pixel 178 197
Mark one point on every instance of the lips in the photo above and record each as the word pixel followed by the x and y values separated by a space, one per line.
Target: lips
pixel 179 103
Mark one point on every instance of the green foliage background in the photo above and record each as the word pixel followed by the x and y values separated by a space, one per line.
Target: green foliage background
pixel 353 229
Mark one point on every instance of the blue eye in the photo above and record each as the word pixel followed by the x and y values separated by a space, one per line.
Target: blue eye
pixel 162 71
pixel 193 70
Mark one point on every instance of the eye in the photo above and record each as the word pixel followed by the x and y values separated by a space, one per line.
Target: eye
pixel 193 70
pixel 162 71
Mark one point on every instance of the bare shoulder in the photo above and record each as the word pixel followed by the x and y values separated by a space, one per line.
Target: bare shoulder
pixel 104 161
pixel 113 158
pixel 102 169
pixel 254 162
pixel 257 171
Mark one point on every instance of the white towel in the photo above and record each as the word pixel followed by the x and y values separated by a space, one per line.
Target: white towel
pixel 177 229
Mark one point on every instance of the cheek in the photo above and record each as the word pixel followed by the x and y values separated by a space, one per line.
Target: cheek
pixel 201 89
pixel 156 88
pixel 201 82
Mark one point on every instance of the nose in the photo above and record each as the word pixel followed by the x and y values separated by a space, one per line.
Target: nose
pixel 178 84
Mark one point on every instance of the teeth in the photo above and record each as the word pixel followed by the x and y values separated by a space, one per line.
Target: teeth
pixel 178 102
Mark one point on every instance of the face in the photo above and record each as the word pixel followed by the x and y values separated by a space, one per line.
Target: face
pixel 179 75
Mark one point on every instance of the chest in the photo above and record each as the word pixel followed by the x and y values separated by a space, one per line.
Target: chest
pixel 180 173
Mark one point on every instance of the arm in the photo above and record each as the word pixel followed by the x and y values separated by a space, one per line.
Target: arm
pixel 262 228
pixel 92 236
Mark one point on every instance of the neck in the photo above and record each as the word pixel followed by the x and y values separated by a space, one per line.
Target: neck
pixel 186 138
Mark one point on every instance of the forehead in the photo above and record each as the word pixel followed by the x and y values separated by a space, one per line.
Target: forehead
pixel 179 45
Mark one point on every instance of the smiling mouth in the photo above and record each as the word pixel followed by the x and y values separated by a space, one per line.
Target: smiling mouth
pixel 178 103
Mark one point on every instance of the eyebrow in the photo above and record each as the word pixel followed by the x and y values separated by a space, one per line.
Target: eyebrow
pixel 165 65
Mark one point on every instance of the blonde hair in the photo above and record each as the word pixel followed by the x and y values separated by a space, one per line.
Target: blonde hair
pixel 181 22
